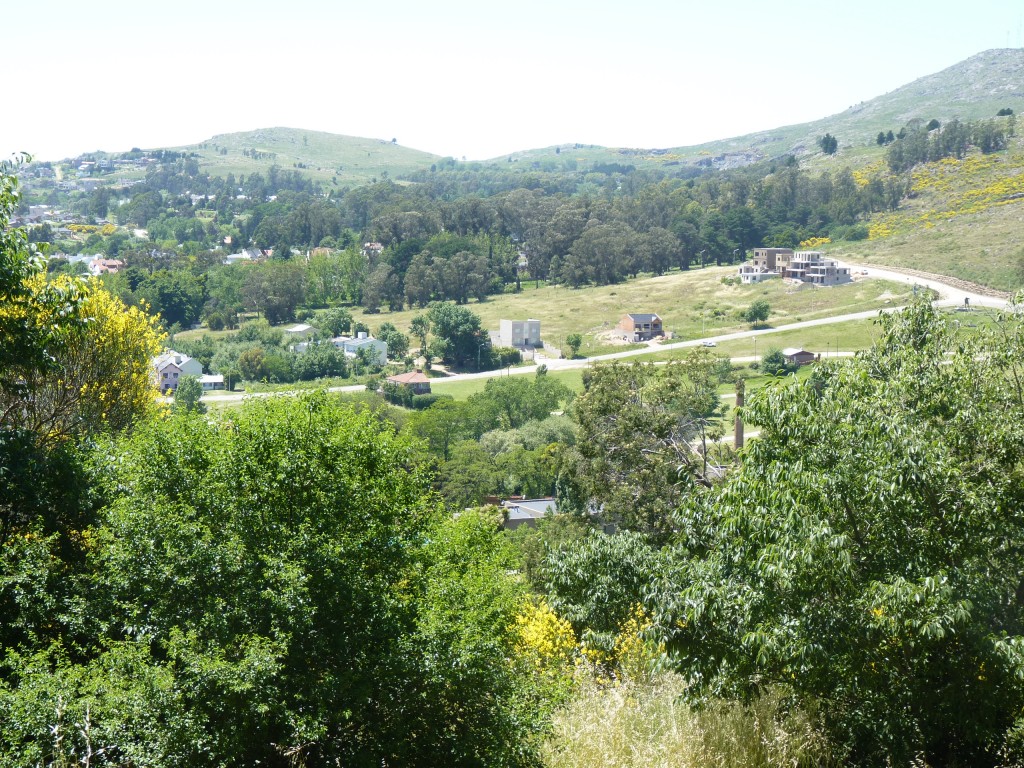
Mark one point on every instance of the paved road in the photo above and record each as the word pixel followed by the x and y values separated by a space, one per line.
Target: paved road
pixel 949 295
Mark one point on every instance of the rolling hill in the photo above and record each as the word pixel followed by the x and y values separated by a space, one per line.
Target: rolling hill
pixel 973 89
pixel 325 157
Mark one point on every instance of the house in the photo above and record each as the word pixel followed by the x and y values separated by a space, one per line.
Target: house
pixel 772 259
pixel 246 254
pixel 372 249
pixel 806 266
pixel 350 346
pixel 211 381
pixel 416 381
pixel 751 274
pixel 101 266
pixel 637 326
pixel 527 511
pixel 299 331
pixel 169 367
pixel 519 333
pixel 813 267
pixel 796 356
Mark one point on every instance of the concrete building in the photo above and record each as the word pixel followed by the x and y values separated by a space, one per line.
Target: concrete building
pixel 807 266
pixel 519 333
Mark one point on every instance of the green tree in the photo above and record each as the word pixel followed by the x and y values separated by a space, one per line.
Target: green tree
pixel 188 396
pixel 775 363
pixel 460 328
pixel 335 321
pixel 574 341
pixel 757 313
pixel 868 551
pixel 281 587
pixel 829 144
pixel 419 327
pixel 645 442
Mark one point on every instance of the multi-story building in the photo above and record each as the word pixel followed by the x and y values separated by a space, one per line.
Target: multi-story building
pixel 519 334
pixel 807 266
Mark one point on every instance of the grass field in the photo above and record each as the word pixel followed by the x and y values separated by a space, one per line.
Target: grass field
pixel 324 157
pixel 691 304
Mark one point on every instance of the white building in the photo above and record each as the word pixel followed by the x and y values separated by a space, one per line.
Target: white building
pixel 169 367
pixel 519 333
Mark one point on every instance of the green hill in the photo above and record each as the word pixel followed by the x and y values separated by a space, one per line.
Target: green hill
pixel 973 89
pixel 326 157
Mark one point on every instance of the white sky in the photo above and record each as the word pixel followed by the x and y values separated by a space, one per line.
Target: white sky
pixel 473 78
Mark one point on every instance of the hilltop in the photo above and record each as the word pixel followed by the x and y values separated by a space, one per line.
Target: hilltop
pixel 325 157
pixel 973 89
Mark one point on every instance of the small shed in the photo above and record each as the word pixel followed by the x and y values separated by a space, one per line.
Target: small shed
pixel 797 356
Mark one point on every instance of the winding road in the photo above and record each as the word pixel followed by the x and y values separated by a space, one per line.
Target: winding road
pixel 950 295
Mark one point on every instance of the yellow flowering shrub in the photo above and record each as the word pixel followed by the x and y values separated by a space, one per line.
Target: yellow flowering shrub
pixel 545 641
pixel 636 656
pixel 101 376
pixel 815 242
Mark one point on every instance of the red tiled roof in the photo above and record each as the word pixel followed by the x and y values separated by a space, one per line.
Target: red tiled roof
pixel 413 377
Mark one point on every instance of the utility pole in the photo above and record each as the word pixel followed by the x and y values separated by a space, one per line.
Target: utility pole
pixel 740 390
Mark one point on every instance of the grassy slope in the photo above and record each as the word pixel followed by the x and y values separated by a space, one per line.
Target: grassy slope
pixel 691 304
pixel 964 219
pixel 328 157
pixel 972 89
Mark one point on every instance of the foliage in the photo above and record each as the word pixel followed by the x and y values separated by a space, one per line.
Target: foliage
pixel 98 379
pixel 595 583
pixel 644 442
pixel 868 550
pixel 35 317
pixel 829 144
pixel 509 402
pixel 757 313
pixel 188 396
pixel 574 341
pixel 775 363
pixel 460 330
pixel 277 589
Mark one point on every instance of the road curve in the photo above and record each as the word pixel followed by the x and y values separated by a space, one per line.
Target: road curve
pixel 949 295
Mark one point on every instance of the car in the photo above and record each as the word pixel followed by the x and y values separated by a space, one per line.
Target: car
pixel 708 344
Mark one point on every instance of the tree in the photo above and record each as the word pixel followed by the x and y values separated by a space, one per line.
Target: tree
pixel 99 379
pixel 419 326
pixel 829 144
pixel 460 328
pixel 510 402
pixel 280 587
pixel 35 317
pixel 335 321
pixel 757 313
pixel 645 442
pixel 398 342
pixel 775 363
pixel 187 396
pixel 574 341
pixel 868 551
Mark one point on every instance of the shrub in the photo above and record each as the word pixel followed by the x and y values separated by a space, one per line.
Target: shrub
pixel 422 402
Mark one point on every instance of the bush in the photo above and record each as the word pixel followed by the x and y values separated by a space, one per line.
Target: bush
pixel 422 402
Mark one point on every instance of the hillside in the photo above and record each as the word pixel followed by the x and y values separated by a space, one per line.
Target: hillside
pixel 972 89
pixel 326 157
pixel 963 218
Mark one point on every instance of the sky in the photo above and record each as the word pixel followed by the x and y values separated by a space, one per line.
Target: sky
pixel 464 78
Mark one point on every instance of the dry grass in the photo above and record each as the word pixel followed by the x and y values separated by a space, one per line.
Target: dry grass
pixel 649 726
pixel 691 304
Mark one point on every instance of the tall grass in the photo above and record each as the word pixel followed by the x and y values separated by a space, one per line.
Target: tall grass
pixel 648 725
